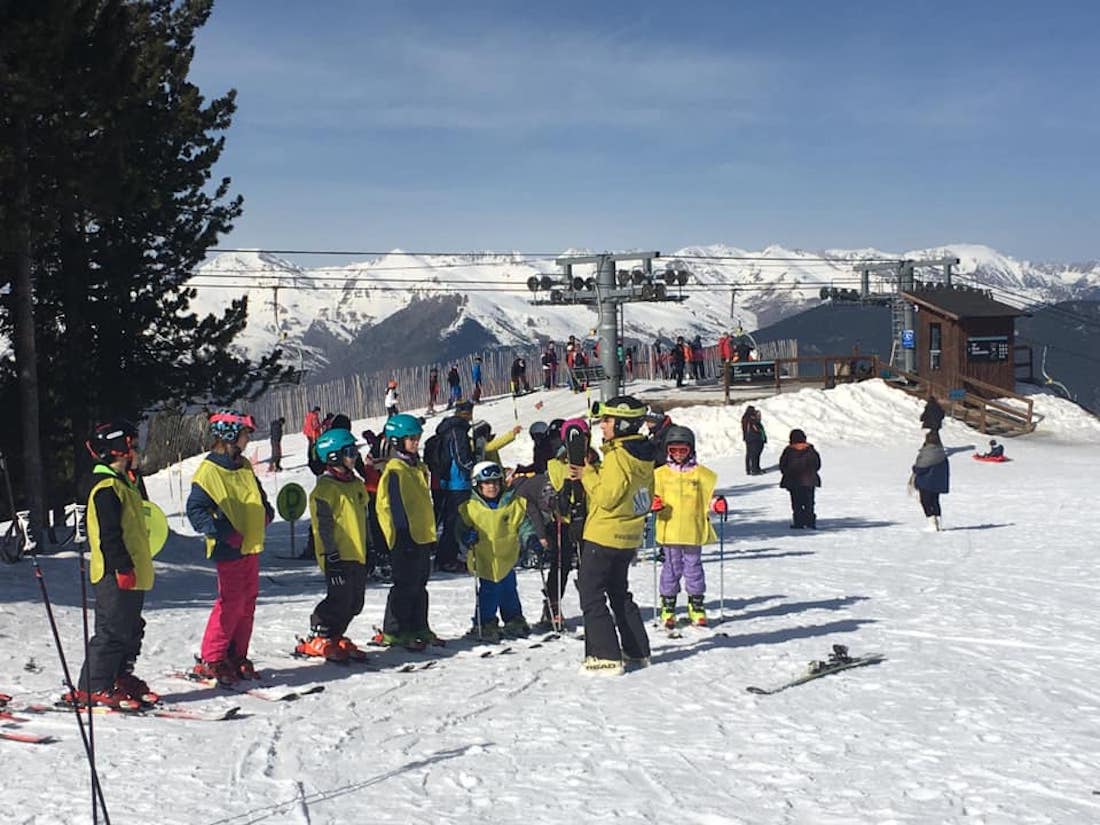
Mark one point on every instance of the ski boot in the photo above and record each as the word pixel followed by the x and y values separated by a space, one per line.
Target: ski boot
pixel 516 628
pixel 697 613
pixel 245 669
pixel 351 649
pixel 595 666
pixel 408 640
pixel 668 612
pixel 322 647
pixel 635 662
pixel 221 671
pixel 134 688
pixel 110 698
pixel 489 632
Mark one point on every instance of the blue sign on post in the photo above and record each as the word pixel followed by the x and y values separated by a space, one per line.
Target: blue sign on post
pixel 908 339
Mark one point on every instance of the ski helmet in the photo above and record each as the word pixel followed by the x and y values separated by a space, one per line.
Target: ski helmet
pixel 112 440
pixel 334 445
pixel 227 425
pixel 538 430
pixel 680 435
pixel 402 426
pixel 486 471
pixel 628 413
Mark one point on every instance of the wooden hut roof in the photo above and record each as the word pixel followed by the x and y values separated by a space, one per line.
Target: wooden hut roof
pixel 961 303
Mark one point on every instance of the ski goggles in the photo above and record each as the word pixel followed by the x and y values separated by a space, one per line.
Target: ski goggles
pixel 234 418
pixel 350 451
pixel 679 451
pixel 601 410
pixel 489 474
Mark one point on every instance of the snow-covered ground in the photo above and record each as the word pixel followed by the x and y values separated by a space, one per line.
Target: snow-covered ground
pixel 985 711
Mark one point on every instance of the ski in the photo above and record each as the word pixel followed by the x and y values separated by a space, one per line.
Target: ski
pixel 27 738
pixel 264 692
pixel 839 660
pixel 159 711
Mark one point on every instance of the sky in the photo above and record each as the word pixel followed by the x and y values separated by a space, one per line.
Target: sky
pixel 434 126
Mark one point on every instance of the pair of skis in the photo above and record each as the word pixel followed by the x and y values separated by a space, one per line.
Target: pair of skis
pixel 838 660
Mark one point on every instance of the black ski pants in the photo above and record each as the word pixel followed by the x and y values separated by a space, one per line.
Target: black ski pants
pixel 562 551
pixel 119 630
pixel 603 579
pixel 802 507
pixel 753 449
pixel 407 603
pixel 930 502
pixel 342 602
pixel 447 552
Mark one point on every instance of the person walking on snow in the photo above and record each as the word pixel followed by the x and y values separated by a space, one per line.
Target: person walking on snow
pixel 408 523
pixel 311 428
pixel 276 462
pixel 228 506
pixel 931 477
pixel 121 573
pixel 619 497
pixel 433 388
pixel 338 515
pixel 752 431
pixel 494 528
pixel 455 385
pixel 683 490
pixel 799 465
pixel 391 398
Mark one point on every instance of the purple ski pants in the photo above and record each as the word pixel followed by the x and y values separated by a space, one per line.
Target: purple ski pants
pixel 683 561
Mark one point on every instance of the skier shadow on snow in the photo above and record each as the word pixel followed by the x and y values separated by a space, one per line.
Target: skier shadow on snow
pixel 800 607
pixel 771 637
pixel 774 529
pixel 979 527
pixel 750 553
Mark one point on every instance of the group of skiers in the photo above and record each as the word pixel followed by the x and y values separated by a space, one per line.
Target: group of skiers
pixel 569 507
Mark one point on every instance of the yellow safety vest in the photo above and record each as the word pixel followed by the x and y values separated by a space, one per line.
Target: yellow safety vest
pixel 135 533
pixel 619 493
pixel 416 500
pixel 497 548
pixel 347 500
pixel 685 518
pixel 237 495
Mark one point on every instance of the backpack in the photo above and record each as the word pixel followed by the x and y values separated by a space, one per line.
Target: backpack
pixel 434 456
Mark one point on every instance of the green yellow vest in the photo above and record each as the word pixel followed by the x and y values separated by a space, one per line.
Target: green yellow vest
pixel 135 533
pixel 416 500
pixel 497 548
pixel 348 502
pixel 685 518
pixel 237 494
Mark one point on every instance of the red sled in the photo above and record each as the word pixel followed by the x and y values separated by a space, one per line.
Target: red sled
pixel 992 459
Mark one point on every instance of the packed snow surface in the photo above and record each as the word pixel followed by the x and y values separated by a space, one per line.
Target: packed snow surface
pixel 986 709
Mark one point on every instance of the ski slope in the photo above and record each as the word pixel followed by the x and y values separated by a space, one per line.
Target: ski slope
pixel 986 709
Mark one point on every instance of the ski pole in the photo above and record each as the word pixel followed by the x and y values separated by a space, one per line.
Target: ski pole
pixel 30 548
pixel 79 511
pixel 721 507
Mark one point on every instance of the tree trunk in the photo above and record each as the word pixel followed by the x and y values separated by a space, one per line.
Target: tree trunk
pixel 26 358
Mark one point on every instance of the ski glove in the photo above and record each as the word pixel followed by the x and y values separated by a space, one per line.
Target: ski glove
pixel 334 572
pixel 127 579
pixel 469 537
pixel 533 547
pixel 234 540
pixel 657 505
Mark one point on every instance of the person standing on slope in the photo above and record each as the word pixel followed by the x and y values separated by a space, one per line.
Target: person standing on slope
pixel 121 573
pixel 391 398
pixel 931 477
pixel 683 491
pixel 799 465
pixel 752 431
pixel 619 497
pixel 338 515
pixel 405 515
pixel 228 506
pixel 454 382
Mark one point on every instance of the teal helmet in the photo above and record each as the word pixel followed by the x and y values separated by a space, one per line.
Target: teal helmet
pixel 332 444
pixel 402 426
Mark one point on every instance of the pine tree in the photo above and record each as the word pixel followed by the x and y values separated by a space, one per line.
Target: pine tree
pixel 120 169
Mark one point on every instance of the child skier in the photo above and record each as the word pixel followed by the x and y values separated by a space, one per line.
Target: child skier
pixel 121 572
pixel 338 511
pixel 495 526
pixel 229 507
pixel 391 398
pixel 799 465
pixel 683 489
pixel 407 520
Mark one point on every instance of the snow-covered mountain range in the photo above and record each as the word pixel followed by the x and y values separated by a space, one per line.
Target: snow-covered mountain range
pixel 465 302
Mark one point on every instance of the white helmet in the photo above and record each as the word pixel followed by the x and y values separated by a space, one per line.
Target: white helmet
pixel 486 471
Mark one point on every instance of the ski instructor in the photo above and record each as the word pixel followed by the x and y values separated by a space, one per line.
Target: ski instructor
pixel 619 493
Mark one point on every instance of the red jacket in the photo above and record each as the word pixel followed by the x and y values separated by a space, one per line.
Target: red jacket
pixel 311 427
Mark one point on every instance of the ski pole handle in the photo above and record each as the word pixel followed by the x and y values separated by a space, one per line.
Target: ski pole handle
pixel 24 519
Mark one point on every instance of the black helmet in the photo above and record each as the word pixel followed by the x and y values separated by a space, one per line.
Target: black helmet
pixel 112 440
pixel 627 411
pixel 538 430
pixel 680 435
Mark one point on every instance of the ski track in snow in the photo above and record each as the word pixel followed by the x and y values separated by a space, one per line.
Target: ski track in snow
pixel 985 710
